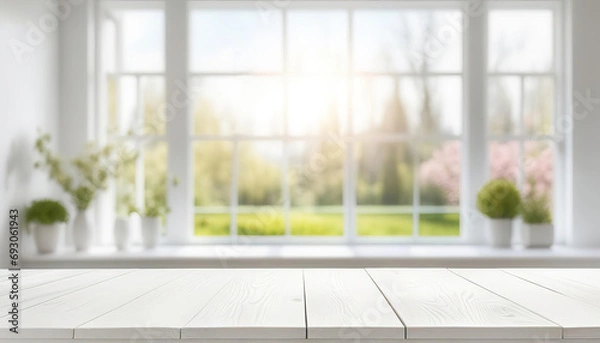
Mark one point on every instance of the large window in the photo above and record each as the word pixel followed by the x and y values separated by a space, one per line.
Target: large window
pixel 335 121
pixel 522 101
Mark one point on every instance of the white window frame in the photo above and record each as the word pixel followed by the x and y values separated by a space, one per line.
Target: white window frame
pixel 474 137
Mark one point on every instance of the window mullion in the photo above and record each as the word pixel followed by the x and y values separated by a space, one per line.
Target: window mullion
pixel 474 148
pixel 180 197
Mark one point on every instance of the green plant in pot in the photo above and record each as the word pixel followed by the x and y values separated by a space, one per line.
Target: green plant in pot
pixel 499 200
pixel 537 230
pixel 46 220
pixel 82 179
pixel 153 216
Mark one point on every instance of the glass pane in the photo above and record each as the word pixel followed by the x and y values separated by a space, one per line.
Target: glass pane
pixel 125 181
pixel 259 189
pixel 380 107
pixel 384 224
pixel 213 223
pixel 439 224
pixel 212 173
pixel 122 95
pixel 439 174
pixel 317 40
pixel 317 106
pixel 316 188
pixel 539 105
pixel 238 105
pixel 520 40
pixel 384 188
pixel 539 169
pixel 143 40
pixel 153 99
pixel 235 40
pixel 412 105
pixel 504 105
pixel 504 160
pixel 124 115
pixel 155 173
pixel 408 41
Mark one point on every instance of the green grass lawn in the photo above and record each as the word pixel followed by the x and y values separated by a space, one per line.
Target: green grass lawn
pixel 327 224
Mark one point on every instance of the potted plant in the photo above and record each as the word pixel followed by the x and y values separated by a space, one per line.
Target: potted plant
pixel 537 230
pixel 46 218
pixel 499 200
pixel 123 227
pixel 88 174
pixel 152 218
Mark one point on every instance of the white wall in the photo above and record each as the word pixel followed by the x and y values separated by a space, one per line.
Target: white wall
pixel 28 101
pixel 586 123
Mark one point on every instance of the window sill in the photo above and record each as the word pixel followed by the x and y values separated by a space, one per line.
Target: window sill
pixel 321 256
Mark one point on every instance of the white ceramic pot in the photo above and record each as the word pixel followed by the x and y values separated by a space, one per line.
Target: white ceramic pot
pixel 82 231
pixel 499 232
pixel 537 235
pixel 151 227
pixel 122 231
pixel 46 236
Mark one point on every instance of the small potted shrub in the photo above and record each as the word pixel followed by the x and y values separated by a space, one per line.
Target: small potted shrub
pixel 537 230
pixel 46 218
pixel 499 200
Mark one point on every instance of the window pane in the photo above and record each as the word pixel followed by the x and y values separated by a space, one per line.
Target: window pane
pixel 122 105
pixel 520 40
pixel 317 106
pixel 539 169
pixel 380 107
pixel 143 40
pixel 317 40
pixel 439 174
pixel 259 189
pixel 212 187
pixel 235 40
pixel 316 188
pixel 384 187
pixel 155 173
pixel 412 105
pixel 504 160
pixel 439 224
pixel 125 181
pixel 504 105
pixel 238 105
pixel 136 105
pixel 539 105
pixel 153 99
pixel 408 41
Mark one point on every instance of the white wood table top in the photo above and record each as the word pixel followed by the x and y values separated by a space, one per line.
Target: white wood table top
pixel 306 305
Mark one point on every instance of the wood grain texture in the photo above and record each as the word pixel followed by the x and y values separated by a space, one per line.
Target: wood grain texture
pixel 579 285
pixel 259 304
pixel 31 278
pixel 58 317
pixel 31 296
pixel 437 304
pixel 578 319
pixel 161 313
pixel 345 303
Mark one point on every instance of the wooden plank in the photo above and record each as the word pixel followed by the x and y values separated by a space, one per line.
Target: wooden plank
pixel 562 281
pixel 34 278
pixel 58 317
pixel 578 319
pixel 345 303
pixel 437 304
pixel 259 304
pixel 37 295
pixel 160 313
